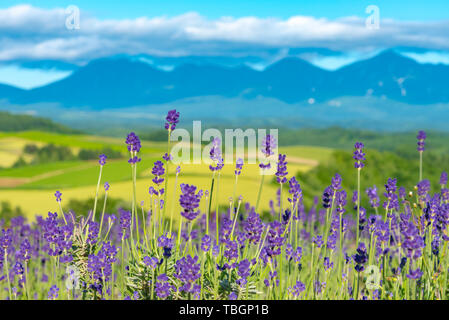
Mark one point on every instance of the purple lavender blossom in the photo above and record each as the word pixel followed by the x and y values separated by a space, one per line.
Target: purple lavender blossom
pixel 125 223
pixel 158 171
pixel 281 169
pixel 189 201
pixel 106 186
pixel 243 271
pixel 238 166
pixel 328 194
pixel 53 293
pixel 233 296
pixel 133 142
pixel 58 196
pixel 421 140
pixel 268 144
pixel 172 119
pixel 100 265
pixel 206 243
pixel 318 241
pixel 359 155
pixel 297 289
pixel 187 270
pixel 102 159
pixel 163 288
pixel 360 258
pixel 295 190
pixel 253 226
pixel 373 197
pixel 150 262
pixel 167 157
pixel 336 182
pixel 134 146
pixel 443 179
pixel 415 274
pixel 423 188
pixel 6 239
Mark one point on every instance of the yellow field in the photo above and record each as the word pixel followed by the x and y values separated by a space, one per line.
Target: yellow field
pixel 39 202
pixel 32 187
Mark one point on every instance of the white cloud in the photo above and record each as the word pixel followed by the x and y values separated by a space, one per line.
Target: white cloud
pixel 27 32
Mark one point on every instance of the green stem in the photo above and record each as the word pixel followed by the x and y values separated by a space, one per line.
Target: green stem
pixel 7 274
pixel 166 173
pixel 216 208
pixel 420 165
pixel 96 194
pixel 358 207
pixel 102 214
pixel 260 191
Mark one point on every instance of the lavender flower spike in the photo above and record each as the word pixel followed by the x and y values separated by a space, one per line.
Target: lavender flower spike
pixel 359 155
pixel 172 119
pixel 421 140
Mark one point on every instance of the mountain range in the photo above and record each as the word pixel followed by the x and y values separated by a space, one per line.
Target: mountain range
pixel 120 82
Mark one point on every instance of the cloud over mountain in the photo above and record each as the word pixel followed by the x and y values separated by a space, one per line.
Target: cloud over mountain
pixel 31 33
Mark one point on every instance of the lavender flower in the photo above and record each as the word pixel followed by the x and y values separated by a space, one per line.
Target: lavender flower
pixel 373 197
pixel 58 196
pixel 215 155
pixel 443 179
pixel 423 188
pixel 163 288
pixel 158 171
pixel 133 142
pixel 328 194
pixel 150 262
pixel 125 223
pixel 243 272
pixel 100 265
pixel 172 119
pixel 295 191
pixel 232 296
pixel 6 239
pixel 297 289
pixel 134 146
pixel 318 241
pixel 281 169
pixel 206 243
pixel 359 155
pixel 421 141
pixel 102 160
pixel 360 258
pixel 267 145
pixel 106 186
pixel 336 182
pixel 187 270
pixel 415 274
pixel 238 166
pixel 53 293
pixel 253 227
pixel 189 201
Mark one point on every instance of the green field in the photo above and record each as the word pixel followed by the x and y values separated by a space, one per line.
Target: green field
pixel 32 187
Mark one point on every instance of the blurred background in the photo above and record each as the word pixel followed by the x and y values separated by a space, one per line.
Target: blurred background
pixel 77 76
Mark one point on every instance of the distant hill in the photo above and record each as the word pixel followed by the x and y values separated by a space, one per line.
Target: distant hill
pixel 21 122
pixel 122 82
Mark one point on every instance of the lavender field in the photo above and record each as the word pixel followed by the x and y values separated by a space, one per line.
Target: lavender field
pixel 397 248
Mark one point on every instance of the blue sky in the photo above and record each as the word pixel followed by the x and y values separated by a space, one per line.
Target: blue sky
pixel 417 10
pixel 36 30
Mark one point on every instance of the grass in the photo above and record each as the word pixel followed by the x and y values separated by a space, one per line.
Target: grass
pixel 37 197
pixel 32 187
